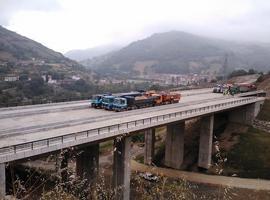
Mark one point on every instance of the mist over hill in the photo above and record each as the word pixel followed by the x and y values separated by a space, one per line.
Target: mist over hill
pixel 180 52
pixel 84 54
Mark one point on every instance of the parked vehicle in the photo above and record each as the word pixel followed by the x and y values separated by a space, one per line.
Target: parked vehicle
pixel 233 89
pixel 107 102
pixel 133 100
pixel 149 176
pixel 245 87
pixel 166 98
pixel 96 101
pixel 219 88
pixel 130 103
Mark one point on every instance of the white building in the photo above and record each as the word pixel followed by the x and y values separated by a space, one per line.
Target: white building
pixel 11 78
pixel 76 78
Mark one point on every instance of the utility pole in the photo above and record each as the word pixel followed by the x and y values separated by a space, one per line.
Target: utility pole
pixel 225 67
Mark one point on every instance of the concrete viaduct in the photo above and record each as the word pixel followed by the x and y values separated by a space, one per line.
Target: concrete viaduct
pixel 35 130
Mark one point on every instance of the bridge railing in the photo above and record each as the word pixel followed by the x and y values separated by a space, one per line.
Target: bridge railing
pixel 122 128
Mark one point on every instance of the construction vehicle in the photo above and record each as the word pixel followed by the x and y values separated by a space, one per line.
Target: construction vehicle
pixel 246 87
pixel 171 97
pixel 131 103
pixel 133 100
pixel 165 98
pixel 107 102
pixel 233 89
pixel 96 101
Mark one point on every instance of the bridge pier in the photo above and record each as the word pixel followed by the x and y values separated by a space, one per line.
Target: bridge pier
pixel 121 167
pixel 245 114
pixel 64 165
pixel 174 145
pixel 87 162
pixel 149 145
pixel 206 140
pixel 2 180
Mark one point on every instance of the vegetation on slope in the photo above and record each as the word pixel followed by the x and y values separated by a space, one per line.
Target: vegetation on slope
pixel 36 91
pixel 250 158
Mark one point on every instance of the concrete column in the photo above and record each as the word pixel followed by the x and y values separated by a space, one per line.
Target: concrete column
pixel 87 162
pixel 245 114
pixel 206 140
pixel 64 157
pixel 174 147
pixel 121 167
pixel 2 180
pixel 149 145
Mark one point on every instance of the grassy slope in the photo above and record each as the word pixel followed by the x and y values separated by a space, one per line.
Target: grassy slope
pixel 251 156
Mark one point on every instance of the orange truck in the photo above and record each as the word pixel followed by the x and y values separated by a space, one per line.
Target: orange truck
pixel 163 98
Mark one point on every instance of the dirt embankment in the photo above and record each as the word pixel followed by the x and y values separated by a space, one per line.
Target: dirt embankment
pixel 245 79
pixel 263 83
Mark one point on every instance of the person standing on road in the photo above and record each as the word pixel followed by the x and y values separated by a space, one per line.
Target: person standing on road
pixel 229 90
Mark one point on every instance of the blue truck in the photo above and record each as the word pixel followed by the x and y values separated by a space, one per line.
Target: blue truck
pixel 131 103
pixel 96 101
pixel 107 102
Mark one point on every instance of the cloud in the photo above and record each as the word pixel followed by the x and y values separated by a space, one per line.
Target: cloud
pixel 10 7
pixel 69 24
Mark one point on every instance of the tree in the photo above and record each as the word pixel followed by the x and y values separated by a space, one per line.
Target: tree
pixel 37 85
pixel 240 72
pixel 155 87
pixel 252 71
pixel 23 77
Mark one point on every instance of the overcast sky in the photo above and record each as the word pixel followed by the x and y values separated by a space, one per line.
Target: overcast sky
pixel 77 24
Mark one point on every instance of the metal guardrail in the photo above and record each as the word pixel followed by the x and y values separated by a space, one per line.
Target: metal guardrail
pixel 121 128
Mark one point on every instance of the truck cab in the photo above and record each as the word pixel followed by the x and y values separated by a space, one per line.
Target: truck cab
pixel 158 99
pixel 96 101
pixel 107 102
pixel 120 104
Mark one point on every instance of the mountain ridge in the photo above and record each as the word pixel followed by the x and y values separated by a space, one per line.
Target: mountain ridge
pixel 10 40
pixel 181 52
pixel 19 54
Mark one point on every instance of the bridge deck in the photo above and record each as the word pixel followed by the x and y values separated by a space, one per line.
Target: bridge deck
pixel 48 131
pixel 37 122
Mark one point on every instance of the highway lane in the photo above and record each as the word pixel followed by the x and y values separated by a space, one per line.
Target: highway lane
pixel 41 109
pixel 46 121
pixel 103 133
pixel 66 106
